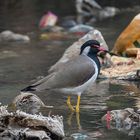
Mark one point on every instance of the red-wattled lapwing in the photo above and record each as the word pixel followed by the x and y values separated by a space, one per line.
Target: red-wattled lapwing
pixel 75 75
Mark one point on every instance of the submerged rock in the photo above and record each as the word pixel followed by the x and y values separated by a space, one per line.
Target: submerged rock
pixel 11 36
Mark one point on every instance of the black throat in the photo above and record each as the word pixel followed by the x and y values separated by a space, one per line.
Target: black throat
pixel 95 59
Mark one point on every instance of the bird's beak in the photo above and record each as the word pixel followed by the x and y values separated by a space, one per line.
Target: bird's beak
pixel 102 49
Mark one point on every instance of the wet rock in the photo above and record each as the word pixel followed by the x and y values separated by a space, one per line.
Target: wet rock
pixel 122 69
pixel 117 60
pixel 125 120
pixel 11 36
pixel 138 111
pixel 36 135
pixel 24 134
pixel 20 124
pixel 28 102
pixel 81 28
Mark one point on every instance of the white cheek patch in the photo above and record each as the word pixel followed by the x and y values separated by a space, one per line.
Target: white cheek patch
pixel 86 50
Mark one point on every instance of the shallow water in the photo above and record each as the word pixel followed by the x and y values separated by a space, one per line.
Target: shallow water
pixel 21 64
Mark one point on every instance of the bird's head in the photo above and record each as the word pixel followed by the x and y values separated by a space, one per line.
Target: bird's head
pixel 91 47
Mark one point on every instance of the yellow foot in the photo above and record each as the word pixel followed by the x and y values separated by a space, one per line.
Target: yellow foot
pixel 71 108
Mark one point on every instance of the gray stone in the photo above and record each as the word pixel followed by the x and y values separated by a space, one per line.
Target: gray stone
pixel 11 36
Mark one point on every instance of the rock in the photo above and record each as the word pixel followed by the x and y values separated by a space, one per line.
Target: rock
pixel 125 120
pixel 24 134
pixel 19 123
pixel 67 23
pixel 117 60
pixel 35 134
pixel 122 69
pixel 81 28
pixel 28 102
pixel 11 36
pixel 107 12
pixel 128 42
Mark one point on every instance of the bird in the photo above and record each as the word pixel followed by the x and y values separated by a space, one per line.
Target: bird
pixel 74 76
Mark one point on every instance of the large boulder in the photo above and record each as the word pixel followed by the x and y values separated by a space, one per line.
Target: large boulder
pixel 128 43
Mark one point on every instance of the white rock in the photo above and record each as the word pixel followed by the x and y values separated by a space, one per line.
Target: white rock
pixel 11 36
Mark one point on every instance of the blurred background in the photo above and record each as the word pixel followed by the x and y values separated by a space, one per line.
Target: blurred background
pixel 28 13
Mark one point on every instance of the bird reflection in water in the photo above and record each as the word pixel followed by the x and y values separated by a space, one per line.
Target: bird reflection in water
pixel 70 118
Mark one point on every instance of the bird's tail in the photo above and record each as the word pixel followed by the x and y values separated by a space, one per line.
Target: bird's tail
pixel 29 88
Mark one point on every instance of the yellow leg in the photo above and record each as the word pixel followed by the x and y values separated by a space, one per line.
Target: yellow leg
pixel 69 104
pixel 78 104
pixel 70 117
